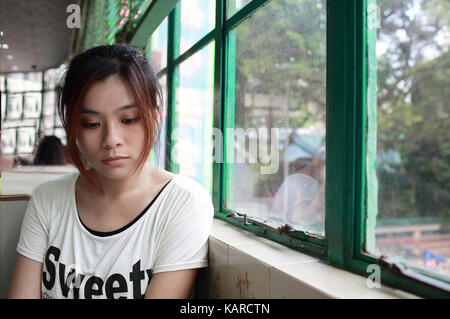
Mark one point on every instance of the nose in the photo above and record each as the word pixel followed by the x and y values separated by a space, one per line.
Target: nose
pixel 112 137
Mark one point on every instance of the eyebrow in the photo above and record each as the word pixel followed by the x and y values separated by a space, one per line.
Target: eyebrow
pixel 120 109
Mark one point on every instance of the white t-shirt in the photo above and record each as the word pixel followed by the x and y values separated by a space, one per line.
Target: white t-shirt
pixel 170 234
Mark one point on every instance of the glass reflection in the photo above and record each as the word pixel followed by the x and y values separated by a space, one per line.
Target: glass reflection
pixel 157 48
pixel 279 119
pixel 194 105
pixel 197 19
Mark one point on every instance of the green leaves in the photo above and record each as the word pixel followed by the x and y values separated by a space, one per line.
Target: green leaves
pixel 413 96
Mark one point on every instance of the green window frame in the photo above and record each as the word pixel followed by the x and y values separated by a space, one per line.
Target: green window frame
pixel 350 139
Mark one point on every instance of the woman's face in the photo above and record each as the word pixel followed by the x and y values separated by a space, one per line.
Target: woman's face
pixel 110 129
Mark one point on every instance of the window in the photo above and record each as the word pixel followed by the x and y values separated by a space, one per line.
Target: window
pixel 158 155
pixel 28 111
pixel 367 169
pixel 157 47
pixel 188 84
pixel 157 53
pixel 412 156
pixel 276 168
pixel 197 18
pixel 234 5
pixel 23 97
pixel 2 96
pixel 194 107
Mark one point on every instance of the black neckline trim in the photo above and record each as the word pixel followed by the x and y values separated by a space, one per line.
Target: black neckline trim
pixel 121 229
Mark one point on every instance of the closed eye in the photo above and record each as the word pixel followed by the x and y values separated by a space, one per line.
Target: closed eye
pixel 90 124
pixel 130 120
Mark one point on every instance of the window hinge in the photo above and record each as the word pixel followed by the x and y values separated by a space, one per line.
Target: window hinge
pixel 404 271
pixel 264 223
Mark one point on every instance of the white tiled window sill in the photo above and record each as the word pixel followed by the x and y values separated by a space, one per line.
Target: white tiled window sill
pixel 244 265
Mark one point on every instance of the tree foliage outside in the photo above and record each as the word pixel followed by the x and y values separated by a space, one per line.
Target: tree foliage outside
pixel 281 51
pixel 413 108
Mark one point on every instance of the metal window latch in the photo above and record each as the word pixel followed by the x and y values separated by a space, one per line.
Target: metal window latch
pixel 406 272
pixel 394 267
pixel 266 224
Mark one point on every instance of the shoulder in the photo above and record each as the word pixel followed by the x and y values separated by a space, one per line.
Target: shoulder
pixel 187 205
pixel 186 188
pixel 48 198
pixel 188 199
pixel 57 186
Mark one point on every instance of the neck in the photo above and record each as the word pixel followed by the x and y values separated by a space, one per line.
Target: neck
pixel 116 188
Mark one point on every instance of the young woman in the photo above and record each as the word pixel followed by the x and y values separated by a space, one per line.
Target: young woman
pixel 120 227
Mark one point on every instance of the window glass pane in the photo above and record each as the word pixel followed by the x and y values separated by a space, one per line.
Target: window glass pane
pixel 3 101
pixel 194 105
pixel 14 106
pixel 413 134
pixel 157 155
pixel 158 47
pixel 2 97
pixel 15 82
pixel 276 152
pixel 234 6
pixel 21 110
pixel 19 82
pixel 25 140
pixel 51 77
pixel 197 19
pixel 59 132
pixel 49 113
pixel 8 141
pixel 32 105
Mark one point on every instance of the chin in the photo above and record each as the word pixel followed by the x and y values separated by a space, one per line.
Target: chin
pixel 113 172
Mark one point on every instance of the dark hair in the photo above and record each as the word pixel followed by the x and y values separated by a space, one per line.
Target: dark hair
pixel 97 64
pixel 50 151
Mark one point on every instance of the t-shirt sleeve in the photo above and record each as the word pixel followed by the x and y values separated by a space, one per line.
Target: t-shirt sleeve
pixel 34 232
pixel 184 241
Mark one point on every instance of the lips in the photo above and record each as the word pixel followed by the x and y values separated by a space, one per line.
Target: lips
pixel 115 160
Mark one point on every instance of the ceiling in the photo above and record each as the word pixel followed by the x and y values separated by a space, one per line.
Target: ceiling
pixel 35 33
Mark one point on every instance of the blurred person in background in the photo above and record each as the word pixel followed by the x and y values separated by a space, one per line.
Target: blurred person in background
pixel 50 151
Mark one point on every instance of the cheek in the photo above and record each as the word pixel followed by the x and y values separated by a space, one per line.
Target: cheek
pixel 85 143
pixel 137 134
